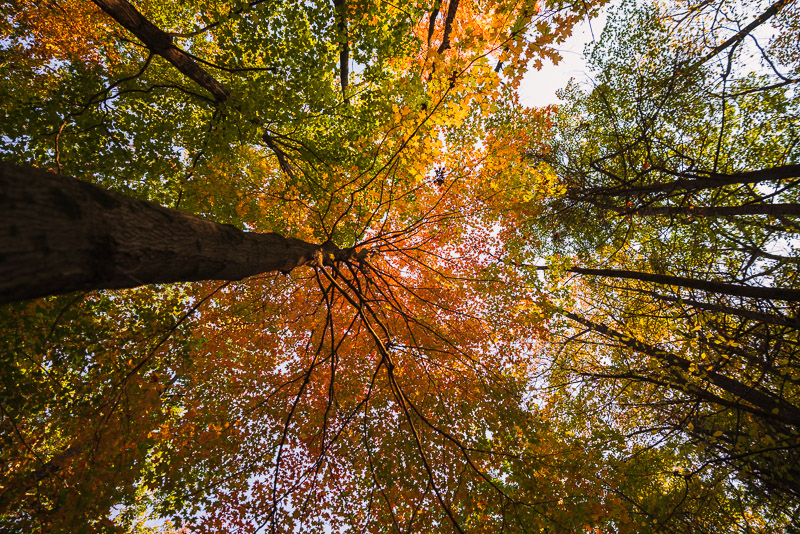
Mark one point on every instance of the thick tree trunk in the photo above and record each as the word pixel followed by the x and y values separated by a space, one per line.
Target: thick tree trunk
pixel 59 234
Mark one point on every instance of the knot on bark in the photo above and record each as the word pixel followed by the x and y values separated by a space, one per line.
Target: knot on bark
pixel 331 254
pixel 325 255
pixel 318 258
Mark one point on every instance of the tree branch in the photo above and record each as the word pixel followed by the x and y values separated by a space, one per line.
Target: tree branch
pixel 452 7
pixel 160 42
pixel 744 32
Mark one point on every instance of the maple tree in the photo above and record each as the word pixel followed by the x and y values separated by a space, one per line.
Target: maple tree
pixel 392 360
pixel 326 394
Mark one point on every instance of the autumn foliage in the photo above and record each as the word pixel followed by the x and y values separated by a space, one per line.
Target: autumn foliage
pixel 558 319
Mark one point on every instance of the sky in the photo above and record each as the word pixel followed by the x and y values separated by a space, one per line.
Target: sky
pixel 539 87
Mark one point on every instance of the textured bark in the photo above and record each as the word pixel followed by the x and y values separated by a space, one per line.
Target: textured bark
pixel 59 234
pixel 160 42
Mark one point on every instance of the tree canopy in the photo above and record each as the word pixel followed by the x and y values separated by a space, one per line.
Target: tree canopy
pixel 312 267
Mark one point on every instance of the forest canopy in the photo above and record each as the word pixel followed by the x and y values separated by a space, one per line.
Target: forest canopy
pixel 277 266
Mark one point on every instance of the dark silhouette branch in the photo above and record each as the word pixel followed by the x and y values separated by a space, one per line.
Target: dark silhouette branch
pixel 762 317
pixel 769 405
pixel 340 10
pixel 713 211
pixel 452 7
pixel 160 42
pixel 432 20
pixel 744 32
pixel 724 288
pixel 691 182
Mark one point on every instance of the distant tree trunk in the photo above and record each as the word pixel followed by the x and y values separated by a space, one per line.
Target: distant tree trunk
pixel 340 12
pixel 722 288
pixel 432 20
pixel 774 210
pixel 59 234
pixel 452 8
pixel 766 403
pixel 754 315
pixel 744 32
pixel 688 182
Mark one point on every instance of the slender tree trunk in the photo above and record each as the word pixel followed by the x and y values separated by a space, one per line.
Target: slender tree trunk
pixel 758 316
pixel 160 42
pixel 690 182
pixel 340 12
pixel 432 20
pixel 14 489
pixel 59 234
pixel 722 288
pixel 711 211
pixel 744 32
pixel 452 8
pixel 770 405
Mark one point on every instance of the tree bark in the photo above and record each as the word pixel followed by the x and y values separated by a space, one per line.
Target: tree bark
pixel 340 12
pixel 452 8
pixel 59 235
pixel 432 20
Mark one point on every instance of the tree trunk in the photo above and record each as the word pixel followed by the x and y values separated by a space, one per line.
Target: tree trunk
pixel 711 211
pixel 691 182
pixel 452 8
pixel 59 234
pixel 432 20
pixel 722 288
pixel 340 13
pixel 765 402
pixel 768 318
pixel 744 32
